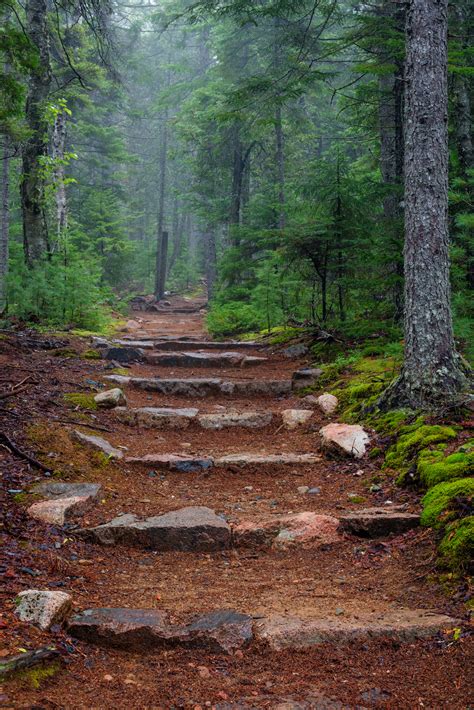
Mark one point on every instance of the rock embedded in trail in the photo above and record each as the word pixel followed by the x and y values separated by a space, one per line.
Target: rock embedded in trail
pixel 59 510
pixel 327 403
pixel 157 417
pixel 174 462
pixel 197 359
pixel 192 529
pixel 59 489
pixel 305 529
pixel 345 439
pixel 306 377
pixel 223 420
pixel 221 631
pixel 295 351
pixel 244 459
pixel 408 625
pixel 294 418
pixel 378 522
pixel 273 388
pixel 43 608
pixel 110 398
pixel 97 443
pixel 204 387
pixel 124 354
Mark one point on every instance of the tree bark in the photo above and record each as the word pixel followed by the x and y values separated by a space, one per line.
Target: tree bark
pixel 35 237
pixel 211 261
pixel 163 259
pixel 431 374
pixel 59 142
pixel 161 206
pixel 5 226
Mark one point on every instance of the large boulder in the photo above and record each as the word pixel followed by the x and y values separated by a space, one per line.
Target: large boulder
pixel 97 443
pixel 157 417
pixel 223 420
pixel 294 418
pixel 110 399
pixel 191 529
pixel 345 439
pixel 43 608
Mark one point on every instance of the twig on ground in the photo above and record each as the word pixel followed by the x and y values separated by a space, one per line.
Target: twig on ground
pixel 22 454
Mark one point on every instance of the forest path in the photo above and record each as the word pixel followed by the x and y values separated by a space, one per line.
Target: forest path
pixel 290 591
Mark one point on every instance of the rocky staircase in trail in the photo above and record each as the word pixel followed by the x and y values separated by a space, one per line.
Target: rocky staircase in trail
pixel 201 530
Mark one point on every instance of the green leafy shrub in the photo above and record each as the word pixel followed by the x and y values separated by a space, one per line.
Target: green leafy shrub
pixel 232 319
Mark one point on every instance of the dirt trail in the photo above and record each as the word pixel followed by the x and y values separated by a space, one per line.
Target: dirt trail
pixel 344 580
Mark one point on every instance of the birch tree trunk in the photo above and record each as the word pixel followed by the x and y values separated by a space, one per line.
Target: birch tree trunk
pixel 35 236
pixel 431 374
pixel 5 225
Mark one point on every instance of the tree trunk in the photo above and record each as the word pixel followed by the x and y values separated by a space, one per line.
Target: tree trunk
pixel 5 226
pixel 163 259
pixel 59 142
pixel 211 261
pixel 161 206
pixel 431 374
pixel 237 176
pixel 280 166
pixel 35 237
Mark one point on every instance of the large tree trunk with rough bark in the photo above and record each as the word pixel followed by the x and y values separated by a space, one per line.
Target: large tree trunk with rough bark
pixel 431 374
pixel 58 147
pixel 35 235
pixel 5 222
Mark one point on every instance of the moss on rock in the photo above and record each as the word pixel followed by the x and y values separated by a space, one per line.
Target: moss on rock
pixel 433 467
pixel 445 501
pixel 412 439
pixel 91 354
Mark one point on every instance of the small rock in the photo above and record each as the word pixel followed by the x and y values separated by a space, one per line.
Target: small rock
pixel 375 488
pixel 328 403
pixel 124 355
pixel 59 510
pixel 347 439
pixel 43 608
pixel 293 418
pixel 339 611
pixel 98 443
pixel 306 377
pixel 294 351
pixel 303 489
pixel 110 398
pixel 314 491
pixel 311 400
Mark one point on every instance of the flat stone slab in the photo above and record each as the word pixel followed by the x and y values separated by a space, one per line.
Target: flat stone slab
pixel 174 462
pixel 43 608
pixel 141 344
pixel 191 529
pixel 191 387
pixel 60 510
pixel 403 625
pixel 221 631
pixel 187 345
pixel 223 420
pixel 199 359
pixel 157 417
pixel 378 522
pixel 245 459
pixel 204 387
pixel 305 529
pixel 344 439
pixel 124 354
pixel 97 443
pixel 294 418
pixel 59 489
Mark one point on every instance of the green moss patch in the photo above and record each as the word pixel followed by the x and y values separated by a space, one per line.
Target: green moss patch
pixel 91 354
pixel 446 501
pixel 64 352
pixel 457 546
pixel 434 467
pixel 85 400
pixel 412 439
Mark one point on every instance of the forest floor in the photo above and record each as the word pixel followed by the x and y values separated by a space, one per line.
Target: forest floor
pixel 342 579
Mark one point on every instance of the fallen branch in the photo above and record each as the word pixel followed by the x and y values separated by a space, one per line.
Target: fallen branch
pixel 76 423
pixel 22 454
pixel 27 660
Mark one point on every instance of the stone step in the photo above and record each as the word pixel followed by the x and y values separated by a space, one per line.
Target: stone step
pixel 403 625
pixel 225 630
pixel 189 464
pixel 203 359
pixel 97 443
pixel 63 501
pixel 378 522
pixel 191 529
pixel 204 387
pixel 221 631
pixel 169 418
pixel 187 345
